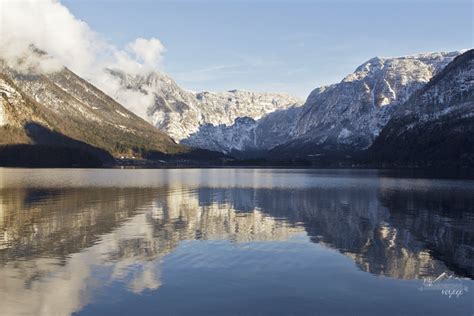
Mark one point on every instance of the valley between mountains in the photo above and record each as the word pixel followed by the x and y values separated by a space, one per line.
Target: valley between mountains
pixel 415 110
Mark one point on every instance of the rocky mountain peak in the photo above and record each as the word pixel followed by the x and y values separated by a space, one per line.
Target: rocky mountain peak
pixel 360 105
pixel 436 123
pixel 181 113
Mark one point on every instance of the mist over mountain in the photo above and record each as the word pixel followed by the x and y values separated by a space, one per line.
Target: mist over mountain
pixel 181 113
pixel 425 92
pixel 110 102
pixel 58 115
pixel 338 119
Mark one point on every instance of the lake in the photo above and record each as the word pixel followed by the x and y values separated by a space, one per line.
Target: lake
pixel 235 242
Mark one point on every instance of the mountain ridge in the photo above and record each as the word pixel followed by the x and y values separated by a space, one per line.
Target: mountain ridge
pixel 62 103
pixel 180 112
pixel 436 125
pixel 61 110
pixel 347 117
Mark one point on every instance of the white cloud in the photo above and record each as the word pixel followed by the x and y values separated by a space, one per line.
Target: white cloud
pixel 148 51
pixel 50 27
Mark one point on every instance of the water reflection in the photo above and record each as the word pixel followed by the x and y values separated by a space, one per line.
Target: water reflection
pixel 60 239
pixel 385 230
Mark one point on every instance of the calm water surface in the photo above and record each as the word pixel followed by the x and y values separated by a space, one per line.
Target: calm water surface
pixel 234 242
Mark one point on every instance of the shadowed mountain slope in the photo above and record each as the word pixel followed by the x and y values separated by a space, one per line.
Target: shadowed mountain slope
pixel 436 125
pixel 61 110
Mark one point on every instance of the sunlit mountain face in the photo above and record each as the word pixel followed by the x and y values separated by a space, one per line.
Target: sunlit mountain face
pixel 203 241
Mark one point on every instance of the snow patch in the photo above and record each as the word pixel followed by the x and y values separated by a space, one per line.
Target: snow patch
pixel 2 114
pixel 123 114
pixel 6 91
pixel 345 133
pixel 384 101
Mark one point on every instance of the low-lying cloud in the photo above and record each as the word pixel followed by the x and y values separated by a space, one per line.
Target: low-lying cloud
pixel 147 51
pixel 49 26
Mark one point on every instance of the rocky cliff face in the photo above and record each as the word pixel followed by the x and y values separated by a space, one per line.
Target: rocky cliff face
pixel 343 117
pixel 437 123
pixel 247 137
pixel 348 116
pixel 204 119
pixel 340 118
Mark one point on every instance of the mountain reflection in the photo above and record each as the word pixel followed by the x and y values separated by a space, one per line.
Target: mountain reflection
pixel 388 232
pixel 54 241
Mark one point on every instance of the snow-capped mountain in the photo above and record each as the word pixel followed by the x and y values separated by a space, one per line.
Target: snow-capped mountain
pixel 61 110
pixel 437 123
pixel 348 116
pixel 247 136
pixel 342 117
pixel 181 113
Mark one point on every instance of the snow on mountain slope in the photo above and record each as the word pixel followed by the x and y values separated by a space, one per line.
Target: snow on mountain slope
pixel 349 115
pixel 436 123
pixel 344 116
pixel 180 113
pixel 3 120
pixel 64 103
pixel 247 136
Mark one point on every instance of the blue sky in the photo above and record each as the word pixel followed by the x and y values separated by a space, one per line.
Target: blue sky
pixel 280 46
